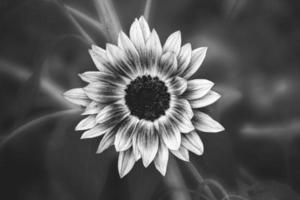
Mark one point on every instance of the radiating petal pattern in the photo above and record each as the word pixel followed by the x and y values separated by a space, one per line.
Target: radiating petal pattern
pixel 140 99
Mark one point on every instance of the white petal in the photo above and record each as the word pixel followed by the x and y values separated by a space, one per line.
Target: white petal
pixel 181 121
pixel 153 51
pixel 112 114
pixel 161 159
pixel 98 50
pixel 197 58
pixel 154 44
pixel 173 43
pixel 184 58
pixel 86 123
pixel 147 142
pixel 126 162
pixel 145 28
pixel 136 152
pixel 90 76
pixel 98 56
pixel 193 143
pixel 205 123
pixel 182 153
pixel 169 133
pixel 106 141
pixel 123 139
pixel 197 88
pixel 136 35
pixel 125 43
pixel 77 96
pixel 120 63
pixel 183 106
pixel 92 108
pixel 177 85
pixel 107 77
pixel 168 64
pixel 104 92
pixel 97 131
pixel 210 98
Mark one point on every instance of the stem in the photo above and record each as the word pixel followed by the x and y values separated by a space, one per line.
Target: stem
pixel 34 122
pixel 200 180
pixel 218 186
pixel 147 9
pixel 48 86
pixel 109 18
pixel 87 19
pixel 75 23
pixel 174 179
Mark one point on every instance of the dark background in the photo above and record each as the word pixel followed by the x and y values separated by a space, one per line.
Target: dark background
pixel 253 57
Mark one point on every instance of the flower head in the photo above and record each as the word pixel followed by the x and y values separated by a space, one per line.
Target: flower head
pixel 141 101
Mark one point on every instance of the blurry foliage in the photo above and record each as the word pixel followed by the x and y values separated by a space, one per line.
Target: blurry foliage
pixel 253 48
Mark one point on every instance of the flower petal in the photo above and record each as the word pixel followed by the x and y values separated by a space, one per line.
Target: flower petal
pixel 153 51
pixel 136 35
pixel 197 88
pixel 145 28
pixel 170 134
pixel 90 76
pixel 106 141
pixel 173 43
pixel 107 77
pixel 125 43
pixel 161 159
pixel 205 123
pixel 98 56
pixel 123 140
pixel 210 98
pixel 126 162
pixel 112 114
pixel 92 108
pixel 136 152
pixel 184 58
pixel 77 96
pixel 104 92
pixel 193 143
pixel 147 142
pixel 153 44
pixel 183 106
pixel 119 61
pixel 197 58
pixel 182 153
pixel 86 123
pixel 180 120
pixel 177 85
pixel 97 131
pixel 168 64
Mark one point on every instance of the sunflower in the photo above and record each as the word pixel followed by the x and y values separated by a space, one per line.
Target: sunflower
pixel 141 101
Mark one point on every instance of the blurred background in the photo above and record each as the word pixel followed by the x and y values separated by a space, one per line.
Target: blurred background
pixel 253 58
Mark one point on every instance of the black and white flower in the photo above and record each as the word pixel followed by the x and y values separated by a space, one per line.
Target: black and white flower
pixel 141 101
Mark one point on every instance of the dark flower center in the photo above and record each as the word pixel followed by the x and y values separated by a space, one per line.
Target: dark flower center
pixel 147 97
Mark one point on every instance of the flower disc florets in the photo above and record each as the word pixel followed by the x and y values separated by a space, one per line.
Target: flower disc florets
pixel 147 97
